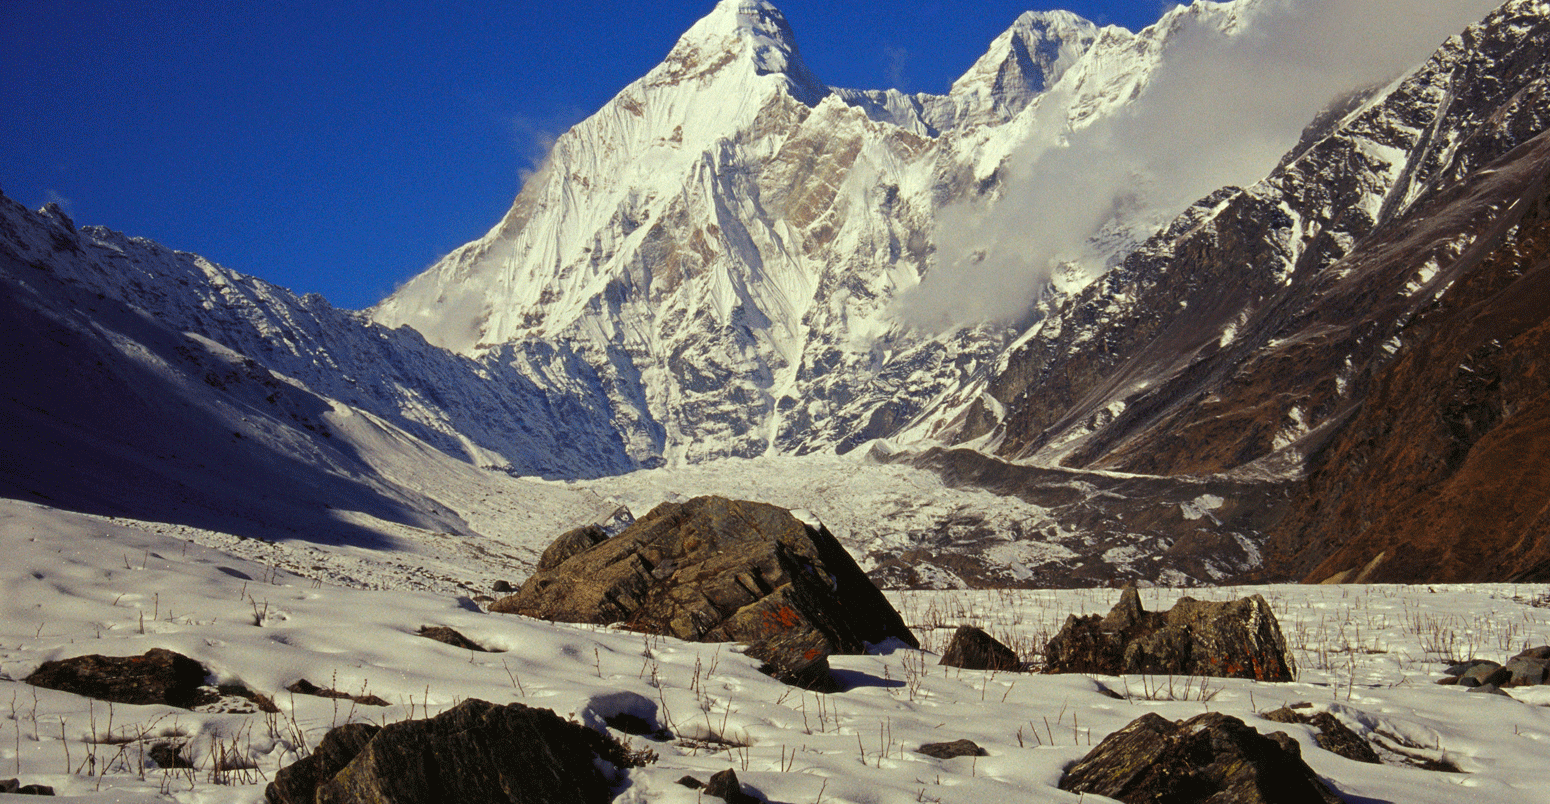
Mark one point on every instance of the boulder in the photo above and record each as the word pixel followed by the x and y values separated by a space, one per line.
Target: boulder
pixel 476 751
pixel 1210 757
pixel 973 649
pixel 956 748
pixel 1484 673
pixel 1461 668
pixel 159 676
pixel 1527 672
pixel 1238 639
pixel 719 570
pixel 1333 735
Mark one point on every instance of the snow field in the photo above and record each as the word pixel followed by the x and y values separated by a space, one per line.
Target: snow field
pixel 77 584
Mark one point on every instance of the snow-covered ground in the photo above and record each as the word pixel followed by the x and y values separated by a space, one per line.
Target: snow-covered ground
pixel 76 584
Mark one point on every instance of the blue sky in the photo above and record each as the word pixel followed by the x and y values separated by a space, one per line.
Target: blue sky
pixel 342 147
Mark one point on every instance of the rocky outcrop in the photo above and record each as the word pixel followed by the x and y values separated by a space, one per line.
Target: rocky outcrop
pixel 1211 757
pixel 159 676
pixel 973 649
pixel 718 570
pixel 476 751
pixel 1238 639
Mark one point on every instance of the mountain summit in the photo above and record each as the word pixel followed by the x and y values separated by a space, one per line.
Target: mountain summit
pixel 750 32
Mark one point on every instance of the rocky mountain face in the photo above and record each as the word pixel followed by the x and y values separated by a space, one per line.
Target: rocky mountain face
pixel 1371 303
pixel 721 243
pixel 538 423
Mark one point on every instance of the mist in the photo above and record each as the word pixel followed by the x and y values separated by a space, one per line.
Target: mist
pixel 1220 110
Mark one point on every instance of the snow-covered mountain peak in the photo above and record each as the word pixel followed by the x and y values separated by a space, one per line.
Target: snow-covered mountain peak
pixel 1033 53
pixel 750 32
pixel 1024 61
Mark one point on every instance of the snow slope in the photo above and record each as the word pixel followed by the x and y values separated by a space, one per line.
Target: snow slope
pixel 78 584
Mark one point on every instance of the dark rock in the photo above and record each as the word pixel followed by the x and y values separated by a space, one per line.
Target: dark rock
pixel 569 544
pixel 1240 639
pixel 956 748
pixel 15 787
pixel 691 783
pixel 1464 667
pixel 168 756
pixel 297 783
pixel 718 570
pixel 1333 735
pixel 502 586
pixel 1485 673
pixel 1210 757
pixel 1491 688
pixel 476 751
pixel 305 687
pixel 159 676
pixel 1527 671
pixel 1541 652
pixel 1448 681
pixel 725 786
pixel 973 649
pixel 442 633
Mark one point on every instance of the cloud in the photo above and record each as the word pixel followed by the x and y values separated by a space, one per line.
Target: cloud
pixel 1220 110
pixel 535 137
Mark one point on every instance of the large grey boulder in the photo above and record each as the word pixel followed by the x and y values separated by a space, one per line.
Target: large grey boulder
pixel 1212 758
pixel 1237 639
pixel 476 751
pixel 719 570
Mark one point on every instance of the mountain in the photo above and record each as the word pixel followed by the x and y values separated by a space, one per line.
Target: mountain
pixel 722 244
pixel 1369 310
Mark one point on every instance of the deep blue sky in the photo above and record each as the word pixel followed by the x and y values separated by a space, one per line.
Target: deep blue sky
pixel 342 147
